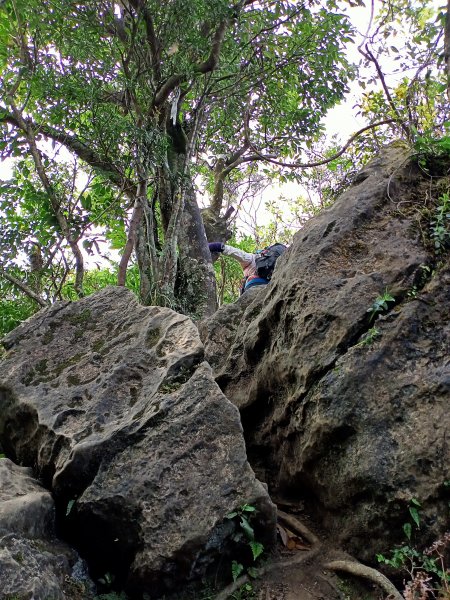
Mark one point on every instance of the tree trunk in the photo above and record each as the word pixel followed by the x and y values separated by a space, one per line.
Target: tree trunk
pixel 147 244
pixel 187 281
pixel 196 284
pixel 447 48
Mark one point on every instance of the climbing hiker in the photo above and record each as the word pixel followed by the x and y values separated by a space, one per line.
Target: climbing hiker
pixel 257 267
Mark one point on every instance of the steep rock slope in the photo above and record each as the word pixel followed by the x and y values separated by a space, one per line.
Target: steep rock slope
pixel 344 406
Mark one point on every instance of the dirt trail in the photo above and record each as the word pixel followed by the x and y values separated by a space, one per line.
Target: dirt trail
pixel 305 566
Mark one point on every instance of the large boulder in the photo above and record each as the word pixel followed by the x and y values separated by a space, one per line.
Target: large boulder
pixel 113 405
pixel 33 562
pixel 345 409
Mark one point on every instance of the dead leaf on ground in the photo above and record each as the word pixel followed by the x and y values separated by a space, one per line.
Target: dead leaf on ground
pixel 290 540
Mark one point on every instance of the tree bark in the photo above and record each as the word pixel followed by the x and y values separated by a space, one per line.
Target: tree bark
pixel 447 48
pixel 196 284
pixel 135 221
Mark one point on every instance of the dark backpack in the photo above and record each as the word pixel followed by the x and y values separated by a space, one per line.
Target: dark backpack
pixel 266 259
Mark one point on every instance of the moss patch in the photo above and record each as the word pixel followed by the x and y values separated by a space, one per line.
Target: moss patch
pixel 73 380
pixel 48 337
pixel 172 384
pixel 152 337
pixel 81 319
pixel 98 345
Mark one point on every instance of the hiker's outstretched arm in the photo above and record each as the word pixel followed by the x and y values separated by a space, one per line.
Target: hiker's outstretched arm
pixel 243 258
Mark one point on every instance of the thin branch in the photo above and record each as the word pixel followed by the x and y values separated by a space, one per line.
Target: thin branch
pixel 369 56
pixel 23 287
pixel 325 160
pixel 54 200
pixel 244 159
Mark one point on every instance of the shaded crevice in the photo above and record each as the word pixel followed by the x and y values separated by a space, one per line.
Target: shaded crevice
pixel 108 546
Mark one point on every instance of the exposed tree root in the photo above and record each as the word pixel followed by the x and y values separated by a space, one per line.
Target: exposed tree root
pixel 298 527
pixel 230 589
pixel 295 560
pixel 355 568
pixel 347 565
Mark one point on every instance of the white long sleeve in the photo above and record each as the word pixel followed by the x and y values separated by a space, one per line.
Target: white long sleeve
pixel 244 258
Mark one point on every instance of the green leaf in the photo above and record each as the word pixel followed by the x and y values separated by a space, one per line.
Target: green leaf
pixel 231 515
pixel 236 569
pixel 86 202
pixel 252 572
pixel 257 549
pixel 247 528
pixel 408 530
pixel 70 506
pixel 415 515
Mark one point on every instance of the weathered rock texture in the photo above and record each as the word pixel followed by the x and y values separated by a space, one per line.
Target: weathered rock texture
pixel 33 563
pixel 357 429
pixel 115 409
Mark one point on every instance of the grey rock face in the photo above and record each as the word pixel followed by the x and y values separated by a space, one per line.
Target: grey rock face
pixel 113 405
pixel 33 563
pixel 355 430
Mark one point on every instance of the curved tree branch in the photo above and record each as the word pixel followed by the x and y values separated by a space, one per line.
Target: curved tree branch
pixel 213 59
pixel 206 66
pixel 369 56
pixel 23 287
pixel 325 160
pixel 71 142
pixel 28 131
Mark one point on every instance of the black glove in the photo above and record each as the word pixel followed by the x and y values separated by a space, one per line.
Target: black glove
pixel 216 247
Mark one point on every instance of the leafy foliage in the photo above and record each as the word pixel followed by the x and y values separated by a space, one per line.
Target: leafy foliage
pixel 370 336
pixel 117 109
pixel 134 94
pixel 14 308
pixel 245 533
pixel 440 224
pixel 428 577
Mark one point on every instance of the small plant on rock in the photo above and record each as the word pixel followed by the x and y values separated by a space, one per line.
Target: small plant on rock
pixel 380 304
pixel 429 579
pixel 369 337
pixel 440 224
pixel 245 532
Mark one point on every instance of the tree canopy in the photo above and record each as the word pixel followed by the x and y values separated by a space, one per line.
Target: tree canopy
pixel 112 109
